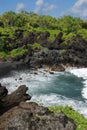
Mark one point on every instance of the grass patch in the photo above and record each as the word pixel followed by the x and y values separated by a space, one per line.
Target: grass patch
pixel 79 119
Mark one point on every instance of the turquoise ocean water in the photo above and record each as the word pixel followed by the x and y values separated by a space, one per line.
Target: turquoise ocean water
pixel 61 88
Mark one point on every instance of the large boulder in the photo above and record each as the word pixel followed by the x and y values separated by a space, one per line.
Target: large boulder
pixel 30 116
pixel 58 38
pixel 13 99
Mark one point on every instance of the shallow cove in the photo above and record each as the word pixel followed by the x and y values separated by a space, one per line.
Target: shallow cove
pixel 63 84
pixel 60 88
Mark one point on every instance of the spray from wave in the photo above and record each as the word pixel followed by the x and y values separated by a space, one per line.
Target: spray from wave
pixel 81 72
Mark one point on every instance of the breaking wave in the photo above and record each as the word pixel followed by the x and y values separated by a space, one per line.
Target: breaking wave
pixel 61 88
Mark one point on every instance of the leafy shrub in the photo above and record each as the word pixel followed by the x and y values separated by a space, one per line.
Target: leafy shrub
pixel 7 31
pixel 82 32
pixel 53 34
pixel 69 36
pixel 3 55
pixel 2 45
pixel 17 52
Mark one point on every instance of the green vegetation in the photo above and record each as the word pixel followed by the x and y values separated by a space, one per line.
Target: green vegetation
pixel 15 29
pixel 83 33
pixel 17 52
pixel 79 119
pixel 63 51
pixel 4 55
pixel 37 46
pixel 16 40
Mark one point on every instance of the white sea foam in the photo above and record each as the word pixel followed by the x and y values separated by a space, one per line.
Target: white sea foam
pixel 80 72
pixel 55 100
pixel 28 78
pixel 34 82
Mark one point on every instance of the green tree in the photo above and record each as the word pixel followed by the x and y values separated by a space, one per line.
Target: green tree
pixel 69 24
pixel 8 18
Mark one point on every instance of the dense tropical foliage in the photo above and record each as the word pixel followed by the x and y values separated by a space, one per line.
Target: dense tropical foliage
pixel 15 27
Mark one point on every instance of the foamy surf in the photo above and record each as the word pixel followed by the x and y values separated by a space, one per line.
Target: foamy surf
pixel 43 82
pixel 82 73
pixel 27 77
pixel 58 100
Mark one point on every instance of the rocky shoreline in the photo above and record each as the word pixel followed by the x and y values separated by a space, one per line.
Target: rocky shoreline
pixel 30 41
pixel 7 67
pixel 56 57
pixel 16 114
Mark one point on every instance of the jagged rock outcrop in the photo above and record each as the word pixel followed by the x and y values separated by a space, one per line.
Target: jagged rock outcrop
pixel 13 99
pixel 43 39
pixel 30 116
pixel 56 43
pixel 73 53
pixel 31 38
pixel 51 57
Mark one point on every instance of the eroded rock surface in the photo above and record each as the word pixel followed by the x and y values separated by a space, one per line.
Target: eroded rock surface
pixel 30 116
pixel 13 99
